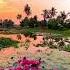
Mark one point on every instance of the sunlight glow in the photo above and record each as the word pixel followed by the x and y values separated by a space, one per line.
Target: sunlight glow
pixel 2 1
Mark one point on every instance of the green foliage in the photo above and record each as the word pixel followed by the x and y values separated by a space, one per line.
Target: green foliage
pixel 67 48
pixel 24 22
pixel 43 23
pixel 33 22
pixel 54 24
pixel 28 33
pixel 7 42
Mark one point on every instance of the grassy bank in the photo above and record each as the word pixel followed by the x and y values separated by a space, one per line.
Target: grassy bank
pixel 7 42
pixel 18 30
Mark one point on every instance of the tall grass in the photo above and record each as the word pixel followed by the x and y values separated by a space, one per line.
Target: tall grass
pixel 7 42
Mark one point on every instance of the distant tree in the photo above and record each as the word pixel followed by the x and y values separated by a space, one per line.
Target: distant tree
pixel 52 12
pixel 52 24
pixel 27 10
pixel 8 23
pixel 62 17
pixel 35 17
pixel 33 22
pixel 1 22
pixel 36 22
pixel 5 23
pixel 24 22
pixel 45 14
pixel 49 13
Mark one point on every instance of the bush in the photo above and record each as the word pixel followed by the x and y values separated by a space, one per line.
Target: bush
pixel 24 22
pixel 67 48
pixel 27 33
pixel 54 24
pixel 7 42
pixel 30 34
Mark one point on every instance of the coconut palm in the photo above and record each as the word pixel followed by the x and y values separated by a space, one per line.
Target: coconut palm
pixel 63 15
pixel 27 10
pixel 45 14
pixel 52 12
pixel 49 13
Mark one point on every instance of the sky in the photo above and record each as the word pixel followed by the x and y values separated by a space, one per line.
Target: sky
pixel 10 8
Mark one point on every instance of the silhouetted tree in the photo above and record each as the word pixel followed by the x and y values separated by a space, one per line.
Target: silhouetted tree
pixel 62 17
pixel 8 23
pixel 36 22
pixel 43 24
pixel 52 12
pixel 24 22
pixel 1 22
pixel 49 13
pixel 27 10
pixel 53 24
pixel 33 22
pixel 45 14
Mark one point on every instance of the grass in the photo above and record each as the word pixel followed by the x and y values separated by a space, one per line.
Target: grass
pixel 64 33
pixel 7 42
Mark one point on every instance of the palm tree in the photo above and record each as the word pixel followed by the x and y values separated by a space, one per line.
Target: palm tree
pixel 49 13
pixel 52 12
pixel 62 16
pixel 45 14
pixel 27 10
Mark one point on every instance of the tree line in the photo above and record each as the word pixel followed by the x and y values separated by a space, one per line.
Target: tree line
pixel 50 20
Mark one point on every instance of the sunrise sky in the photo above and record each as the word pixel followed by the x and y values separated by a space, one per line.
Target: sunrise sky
pixel 10 8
